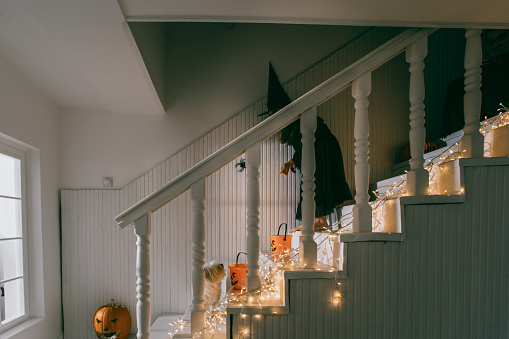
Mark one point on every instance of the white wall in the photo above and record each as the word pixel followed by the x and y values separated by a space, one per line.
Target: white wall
pixel 30 118
pixel 93 243
pixel 214 72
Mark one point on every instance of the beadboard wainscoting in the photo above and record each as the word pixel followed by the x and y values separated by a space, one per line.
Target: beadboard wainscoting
pixel 99 259
pixel 448 279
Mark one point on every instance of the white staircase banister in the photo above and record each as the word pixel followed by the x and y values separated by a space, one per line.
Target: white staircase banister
pixel 362 211
pixel 418 176
pixel 270 126
pixel 253 160
pixel 308 246
pixel 142 230
pixel 198 237
pixel 472 142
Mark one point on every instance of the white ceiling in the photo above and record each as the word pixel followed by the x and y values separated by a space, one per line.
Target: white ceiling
pixel 82 55
pixel 78 53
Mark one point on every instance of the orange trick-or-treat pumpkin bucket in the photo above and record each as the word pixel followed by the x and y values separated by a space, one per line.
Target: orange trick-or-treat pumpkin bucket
pixel 238 274
pixel 280 243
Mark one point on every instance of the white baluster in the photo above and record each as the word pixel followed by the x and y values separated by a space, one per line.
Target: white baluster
pixel 362 212
pixel 198 238
pixel 418 177
pixel 253 158
pixel 472 143
pixel 308 245
pixel 142 230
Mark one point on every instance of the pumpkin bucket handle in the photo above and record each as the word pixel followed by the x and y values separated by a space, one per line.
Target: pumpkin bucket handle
pixel 286 229
pixel 237 261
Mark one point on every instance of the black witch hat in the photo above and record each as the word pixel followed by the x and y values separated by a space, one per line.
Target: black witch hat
pixel 276 96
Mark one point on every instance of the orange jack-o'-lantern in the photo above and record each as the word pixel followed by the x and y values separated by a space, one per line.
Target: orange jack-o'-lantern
pixel 112 321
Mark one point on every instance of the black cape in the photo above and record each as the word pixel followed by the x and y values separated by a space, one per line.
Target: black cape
pixel 331 188
pixel 494 89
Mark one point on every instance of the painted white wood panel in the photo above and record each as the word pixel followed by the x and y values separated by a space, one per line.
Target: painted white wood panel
pixel 449 279
pixel 312 314
pixel 99 258
pixel 91 249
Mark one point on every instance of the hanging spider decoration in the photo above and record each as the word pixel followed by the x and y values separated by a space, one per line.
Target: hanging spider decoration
pixel 241 164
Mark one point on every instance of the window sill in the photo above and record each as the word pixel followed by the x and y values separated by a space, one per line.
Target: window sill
pixel 13 331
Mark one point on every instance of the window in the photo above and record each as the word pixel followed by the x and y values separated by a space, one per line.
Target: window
pixel 13 237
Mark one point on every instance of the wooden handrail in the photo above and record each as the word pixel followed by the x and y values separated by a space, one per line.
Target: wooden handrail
pixel 272 125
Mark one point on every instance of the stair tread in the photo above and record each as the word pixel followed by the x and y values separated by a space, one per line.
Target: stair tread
pixel 160 327
pixel 188 336
pixel 276 305
pixel 162 322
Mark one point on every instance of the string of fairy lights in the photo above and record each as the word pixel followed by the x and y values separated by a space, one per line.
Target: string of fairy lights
pixel 273 265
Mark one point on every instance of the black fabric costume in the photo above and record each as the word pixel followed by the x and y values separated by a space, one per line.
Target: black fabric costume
pixel 494 89
pixel 331 188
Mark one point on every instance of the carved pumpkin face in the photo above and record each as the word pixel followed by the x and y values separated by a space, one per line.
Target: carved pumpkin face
pixel 112 321
pixel 238 273
pixel 234 279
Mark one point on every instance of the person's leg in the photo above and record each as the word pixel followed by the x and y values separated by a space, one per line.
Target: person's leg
pixel 320 225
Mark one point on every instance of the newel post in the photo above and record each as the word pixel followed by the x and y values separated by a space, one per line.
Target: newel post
pixel 308 245
pixel 472 143
pixel 142 230
pixel 198 239
pixel 362 211
pixel 253 159
pixel 418 177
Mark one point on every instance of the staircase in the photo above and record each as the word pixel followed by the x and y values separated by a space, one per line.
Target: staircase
pixel 446 277
pixel 378 290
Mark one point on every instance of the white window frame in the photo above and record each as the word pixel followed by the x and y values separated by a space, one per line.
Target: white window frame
pixel 19 152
